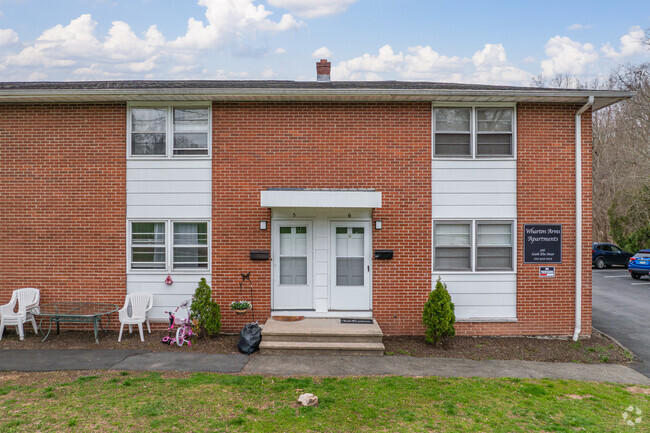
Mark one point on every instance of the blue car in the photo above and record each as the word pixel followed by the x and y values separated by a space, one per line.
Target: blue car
pixel 605 255
pixel 639 264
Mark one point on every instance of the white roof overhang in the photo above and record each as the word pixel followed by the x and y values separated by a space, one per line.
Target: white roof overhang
pixel 300 198
pixel 602 98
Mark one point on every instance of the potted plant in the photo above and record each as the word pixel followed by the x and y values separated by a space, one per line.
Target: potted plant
pixel 241 307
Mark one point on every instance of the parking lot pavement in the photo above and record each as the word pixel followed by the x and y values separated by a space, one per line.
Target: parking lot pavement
pixel 621 309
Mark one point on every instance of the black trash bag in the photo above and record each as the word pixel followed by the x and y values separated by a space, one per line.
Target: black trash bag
pixel 250 338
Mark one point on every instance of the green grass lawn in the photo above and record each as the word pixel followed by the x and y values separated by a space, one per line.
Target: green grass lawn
pixel 113 401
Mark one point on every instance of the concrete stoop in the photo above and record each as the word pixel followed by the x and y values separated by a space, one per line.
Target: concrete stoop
pixel 318 336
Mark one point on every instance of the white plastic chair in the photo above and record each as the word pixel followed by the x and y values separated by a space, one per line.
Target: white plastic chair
pixel 27 300
pixel 140 303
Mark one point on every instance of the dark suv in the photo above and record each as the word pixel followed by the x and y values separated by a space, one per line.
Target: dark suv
pixel 606 255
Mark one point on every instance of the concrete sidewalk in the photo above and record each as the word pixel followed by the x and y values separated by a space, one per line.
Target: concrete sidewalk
pixel 55 360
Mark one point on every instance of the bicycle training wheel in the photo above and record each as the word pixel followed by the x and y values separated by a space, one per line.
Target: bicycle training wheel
pixel 180 335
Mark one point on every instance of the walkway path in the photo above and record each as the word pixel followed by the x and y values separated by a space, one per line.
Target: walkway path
pixel 55 360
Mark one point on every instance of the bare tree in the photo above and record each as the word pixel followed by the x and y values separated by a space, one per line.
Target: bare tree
pixel 621 147
pixel 621 158
pixel 558 81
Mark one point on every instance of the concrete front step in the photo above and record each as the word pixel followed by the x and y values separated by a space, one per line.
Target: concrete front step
pixel 321 336
pixel 320 348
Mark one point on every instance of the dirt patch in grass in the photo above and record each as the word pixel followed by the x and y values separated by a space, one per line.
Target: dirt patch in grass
pixel 594 350
pixel 47 378
pixel 638 390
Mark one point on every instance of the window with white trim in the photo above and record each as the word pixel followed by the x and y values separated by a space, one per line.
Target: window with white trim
pixel 190 245
pixel 493 246
pixel 468 246
pixel 453 246
pixel 473 132
pixel 169 245
pixel 148 246
pixel 170 130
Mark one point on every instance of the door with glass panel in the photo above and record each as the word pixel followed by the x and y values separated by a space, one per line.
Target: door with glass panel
pixel 292 265
pixel 350 266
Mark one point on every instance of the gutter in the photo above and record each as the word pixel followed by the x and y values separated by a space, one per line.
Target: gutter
pixel 48 94
pixel 578 260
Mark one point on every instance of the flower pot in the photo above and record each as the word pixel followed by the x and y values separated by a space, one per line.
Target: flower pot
pixel 241 311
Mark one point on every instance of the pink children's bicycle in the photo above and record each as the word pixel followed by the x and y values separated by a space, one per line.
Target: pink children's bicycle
pixel 184 330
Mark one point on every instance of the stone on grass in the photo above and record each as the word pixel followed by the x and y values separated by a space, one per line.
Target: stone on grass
pixel 308 399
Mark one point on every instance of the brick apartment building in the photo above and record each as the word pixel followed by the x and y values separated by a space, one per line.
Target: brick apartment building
pixel 341 198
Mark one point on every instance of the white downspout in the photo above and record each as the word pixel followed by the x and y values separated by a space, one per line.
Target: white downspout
pixel 578 260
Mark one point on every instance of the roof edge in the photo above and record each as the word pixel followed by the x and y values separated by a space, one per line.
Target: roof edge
pixel 603 98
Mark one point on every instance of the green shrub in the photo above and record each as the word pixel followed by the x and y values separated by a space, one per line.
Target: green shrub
pixel 438 315
pixel 205 312
pixel 628 219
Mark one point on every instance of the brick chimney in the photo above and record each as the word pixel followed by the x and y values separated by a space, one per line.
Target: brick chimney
pixel 323 70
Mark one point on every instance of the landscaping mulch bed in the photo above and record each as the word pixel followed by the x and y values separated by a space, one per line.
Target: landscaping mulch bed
pixel 86 340
pixel 597 349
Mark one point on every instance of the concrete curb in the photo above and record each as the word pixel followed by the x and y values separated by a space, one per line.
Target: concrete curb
pixel 634 355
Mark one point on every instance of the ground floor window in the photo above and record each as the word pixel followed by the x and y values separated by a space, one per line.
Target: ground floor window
pixel 473 245
pixel 168 245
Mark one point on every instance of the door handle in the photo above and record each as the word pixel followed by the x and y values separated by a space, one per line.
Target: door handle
pixel 368 268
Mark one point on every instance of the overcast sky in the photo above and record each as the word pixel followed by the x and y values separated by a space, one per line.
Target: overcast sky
pixel 490 42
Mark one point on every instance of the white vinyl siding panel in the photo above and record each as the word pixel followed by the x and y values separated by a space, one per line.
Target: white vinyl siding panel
pixel 166 298
pixel 474 189
pixel 169 188
pixel 482 296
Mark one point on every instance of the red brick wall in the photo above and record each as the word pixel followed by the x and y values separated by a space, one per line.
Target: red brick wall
pixel 320 145
pixel 546 195
pixel 63 201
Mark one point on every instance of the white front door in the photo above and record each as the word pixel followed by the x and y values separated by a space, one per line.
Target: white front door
pixel 350 266
pixel 292 265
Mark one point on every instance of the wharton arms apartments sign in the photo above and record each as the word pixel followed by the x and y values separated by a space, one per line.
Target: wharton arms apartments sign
pixel 542 243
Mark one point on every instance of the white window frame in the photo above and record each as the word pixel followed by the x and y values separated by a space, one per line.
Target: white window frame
pixel 474 246
pixel 169 246
pixel 469 223
pixel 169 129
pixel 512 244
pixel 473 130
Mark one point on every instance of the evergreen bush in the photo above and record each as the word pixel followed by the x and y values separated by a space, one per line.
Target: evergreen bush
pixel 629 220
pixel 205 312
pixel 438 315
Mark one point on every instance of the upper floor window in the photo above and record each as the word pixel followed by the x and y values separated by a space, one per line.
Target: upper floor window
pixel 473 131
pixel 163 131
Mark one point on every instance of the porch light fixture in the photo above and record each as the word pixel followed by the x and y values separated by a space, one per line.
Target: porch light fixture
pixel 262 225
pixel 378 225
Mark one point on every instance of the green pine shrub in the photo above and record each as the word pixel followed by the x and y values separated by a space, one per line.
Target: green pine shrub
pixel 438 315
pixel 205 312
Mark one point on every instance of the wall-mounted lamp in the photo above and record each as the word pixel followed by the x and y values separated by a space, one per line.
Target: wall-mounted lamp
pixel 262 225
pixel 378 225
